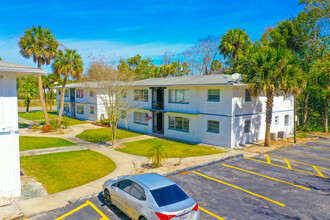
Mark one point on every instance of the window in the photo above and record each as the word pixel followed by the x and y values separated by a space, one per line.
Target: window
pixel 123 114
pixel 276 120
pixel 141 95
pixel 91 110
pixel 125 185
pixel 168 195
pixel 286 120
pixel 80 109
pixel 80 93
pixel 91 94
pixel 141 118
pixel 66 94
pixel 59 92
pixel 179 95
pixel 247 95
pixel 213 95
pixel 66 107
pixel 247 126
pixel 138 192
pixel 178 123
pixel 213 126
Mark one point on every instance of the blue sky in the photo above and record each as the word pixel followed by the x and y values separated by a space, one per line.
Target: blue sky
pixel 125 28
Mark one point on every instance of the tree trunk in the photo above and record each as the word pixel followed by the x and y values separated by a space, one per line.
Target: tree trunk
pixel 269 115
pixel 326 114
pixel 305 109
pixel 62 103
pixel 44 109
pixel 45 96
pixel 51 101
pixel 113 134
pixel 27 105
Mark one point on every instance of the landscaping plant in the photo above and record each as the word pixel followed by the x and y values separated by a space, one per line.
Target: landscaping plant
pixel 158 154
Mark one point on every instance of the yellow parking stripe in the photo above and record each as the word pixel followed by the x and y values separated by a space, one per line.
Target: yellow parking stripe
pixel 228 184
pixel 323 168
pixel 318 171
pixel 309 155
pixel 72 211
pixel 98 211
pixel 320 148
pixel 272 178
pixel 323 142
pixel 268 159
pixel 288 163
pixel 210 213
pixel 302 171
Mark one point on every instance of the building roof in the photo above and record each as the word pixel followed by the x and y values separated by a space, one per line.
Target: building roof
pixel 20 69
pixel 203 80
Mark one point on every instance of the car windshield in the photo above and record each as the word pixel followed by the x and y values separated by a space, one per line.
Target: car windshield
pixel 168 195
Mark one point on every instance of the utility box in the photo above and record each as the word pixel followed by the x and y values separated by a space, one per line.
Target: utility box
pixel 282 134
pixel 273 136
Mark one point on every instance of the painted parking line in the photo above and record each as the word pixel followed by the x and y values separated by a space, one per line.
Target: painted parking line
pixel 236 187
pixel 319 148
pixel 88 203
pixel 309 155
pixel 210 213
pixel 272 164
pixel 269 177
pixel 322 142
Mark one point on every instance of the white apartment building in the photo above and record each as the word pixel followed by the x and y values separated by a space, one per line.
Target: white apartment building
pixel 10 180
pixel 213 109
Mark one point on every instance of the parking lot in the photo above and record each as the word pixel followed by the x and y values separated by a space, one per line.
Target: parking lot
pixel 291 183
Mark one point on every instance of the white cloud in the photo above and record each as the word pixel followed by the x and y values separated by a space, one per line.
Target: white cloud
pixel 9 49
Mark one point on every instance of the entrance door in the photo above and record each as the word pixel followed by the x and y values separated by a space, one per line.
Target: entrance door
pixel 158 122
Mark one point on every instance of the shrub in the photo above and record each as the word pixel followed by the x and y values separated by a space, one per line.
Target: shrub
pixel 53 123
pixel 157 153
pixel 35 127
pixel 65 122
pixel 302 135
pixel 304 128
pixel 46 128
pixel 106 121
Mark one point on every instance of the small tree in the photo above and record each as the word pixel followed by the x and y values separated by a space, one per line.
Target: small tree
pixel 112 88
pixel 29 90
pixel 157 153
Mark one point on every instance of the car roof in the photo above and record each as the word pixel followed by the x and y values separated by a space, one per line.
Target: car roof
pixel 152 180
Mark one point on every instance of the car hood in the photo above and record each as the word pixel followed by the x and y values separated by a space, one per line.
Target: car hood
pixel 180 208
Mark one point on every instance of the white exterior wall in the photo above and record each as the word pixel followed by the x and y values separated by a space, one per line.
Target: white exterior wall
pixel 10 183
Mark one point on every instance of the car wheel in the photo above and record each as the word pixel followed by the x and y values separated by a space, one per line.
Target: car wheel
pixel 107 197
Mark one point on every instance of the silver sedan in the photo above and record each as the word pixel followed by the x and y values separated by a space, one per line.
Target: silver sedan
pixel 150 196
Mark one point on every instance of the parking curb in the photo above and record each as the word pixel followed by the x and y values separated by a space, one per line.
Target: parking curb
pixel 240 155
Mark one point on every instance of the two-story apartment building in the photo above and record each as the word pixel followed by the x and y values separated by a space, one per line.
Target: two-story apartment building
pixel 213 109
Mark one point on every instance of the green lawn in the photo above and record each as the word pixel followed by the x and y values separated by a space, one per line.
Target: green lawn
pixel 31 143
pixel 72 121
pixel 36 115
pixel 23 125
pixel 61 171
pixel 104 134
pixel 174 149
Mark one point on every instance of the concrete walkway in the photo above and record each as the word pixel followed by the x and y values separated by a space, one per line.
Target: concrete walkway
pixel 51 150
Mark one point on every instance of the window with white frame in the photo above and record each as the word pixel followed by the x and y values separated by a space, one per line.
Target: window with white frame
pixel 91 110
pixel 91 93
pixel 141 95
pixel 213 126
pixel 247 95
pixel 276 120
pixel 179 95
pixel 247 126
pixel 286 120
pixel 80 93
pixel 178 123
pixel 213 95
pixel 80 109
pixel 66 108
pixel 66 93
pixel 123 114
pixel 140 118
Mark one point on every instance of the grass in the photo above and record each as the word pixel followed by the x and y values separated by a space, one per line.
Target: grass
pixel 23 125
pixel 174 149
pixel 22 104
pixel 72 121
pixel 62 171
pixel 36 115
pixel 104 134
pixel 31 143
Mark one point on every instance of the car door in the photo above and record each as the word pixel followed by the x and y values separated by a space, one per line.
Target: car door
pixel 120 193
pixel 136 201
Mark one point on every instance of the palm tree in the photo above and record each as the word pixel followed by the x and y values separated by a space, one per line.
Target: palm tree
pixel 158 154
pixel 40 44
pixel 272 71
pixel 234 45
pixel 68 63
pixel 29 90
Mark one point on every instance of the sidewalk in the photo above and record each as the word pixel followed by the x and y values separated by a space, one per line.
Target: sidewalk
pixel 51 150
